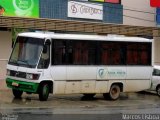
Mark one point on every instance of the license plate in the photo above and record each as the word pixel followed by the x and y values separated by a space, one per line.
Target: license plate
pixel 15 84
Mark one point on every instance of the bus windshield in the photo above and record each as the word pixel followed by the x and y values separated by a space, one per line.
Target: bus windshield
pixel 26 52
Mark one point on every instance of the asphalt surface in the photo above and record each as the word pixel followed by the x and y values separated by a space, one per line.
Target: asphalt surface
pixel 130 106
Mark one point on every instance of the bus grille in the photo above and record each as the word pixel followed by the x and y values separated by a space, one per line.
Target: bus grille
pixel 17 74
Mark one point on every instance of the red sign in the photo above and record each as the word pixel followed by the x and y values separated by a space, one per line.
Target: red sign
pixel 113 1
pixel 155 3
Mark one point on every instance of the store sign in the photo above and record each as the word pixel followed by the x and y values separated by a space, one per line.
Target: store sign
pixel 155 3
pixel 85 10
pixel 113 1
pixel 21 8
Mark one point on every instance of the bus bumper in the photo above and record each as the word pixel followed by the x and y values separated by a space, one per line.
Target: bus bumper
pixel 23 86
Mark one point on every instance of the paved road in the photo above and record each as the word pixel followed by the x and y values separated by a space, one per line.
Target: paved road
pixel 76 107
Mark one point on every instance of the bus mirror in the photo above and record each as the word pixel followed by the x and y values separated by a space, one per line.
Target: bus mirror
pixel 45 49
pixel 45 46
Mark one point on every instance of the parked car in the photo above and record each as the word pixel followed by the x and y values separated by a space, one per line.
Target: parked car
pixel 156 80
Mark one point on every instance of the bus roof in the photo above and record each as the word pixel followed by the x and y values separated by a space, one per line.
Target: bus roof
pixel 84 37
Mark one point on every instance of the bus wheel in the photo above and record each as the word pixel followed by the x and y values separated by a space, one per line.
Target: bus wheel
pixel 43 92
pixel 17 93
pixel 89 95
pixel 114 93
pixel 158 91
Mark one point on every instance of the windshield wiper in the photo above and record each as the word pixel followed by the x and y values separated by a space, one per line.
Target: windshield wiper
pixel 24 62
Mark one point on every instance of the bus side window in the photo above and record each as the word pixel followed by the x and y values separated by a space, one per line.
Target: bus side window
pixel 92 53
pixel 138 54
pixel 132 54
pixel 58 52
pixel 111 53
pixel 145 54
pixel 69 53
pixel 80 54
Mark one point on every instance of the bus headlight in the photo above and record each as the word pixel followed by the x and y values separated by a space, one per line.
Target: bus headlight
pixel 31 76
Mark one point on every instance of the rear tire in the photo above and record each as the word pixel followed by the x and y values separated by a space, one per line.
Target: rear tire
pixel 43 92
pixel 114 93
pixel 17 93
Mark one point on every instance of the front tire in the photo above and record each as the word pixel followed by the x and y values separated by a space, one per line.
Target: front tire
pixel 114 93
pixel 17 93
pixel 44 92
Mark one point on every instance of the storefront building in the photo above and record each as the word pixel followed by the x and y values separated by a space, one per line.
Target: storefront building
pixel 119 12
pixel 79 10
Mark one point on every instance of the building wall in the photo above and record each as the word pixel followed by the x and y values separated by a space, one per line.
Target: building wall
pixel 5 46
pixel 145 16
pixel 57 9
pixel 156 51
pixel 139 13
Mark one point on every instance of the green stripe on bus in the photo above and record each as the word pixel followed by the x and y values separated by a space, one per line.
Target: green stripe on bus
pixel 23 86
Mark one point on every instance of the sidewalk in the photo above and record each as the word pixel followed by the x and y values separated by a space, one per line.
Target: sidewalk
pixel 3 84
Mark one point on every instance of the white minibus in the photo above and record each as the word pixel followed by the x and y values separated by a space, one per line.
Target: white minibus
pixel 57 63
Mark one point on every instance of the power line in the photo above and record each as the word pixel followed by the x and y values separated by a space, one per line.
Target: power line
pixel 135 11
pixel 132 10
pixel 139 18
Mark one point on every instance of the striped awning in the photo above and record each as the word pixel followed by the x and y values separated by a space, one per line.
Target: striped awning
pixel 77 26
